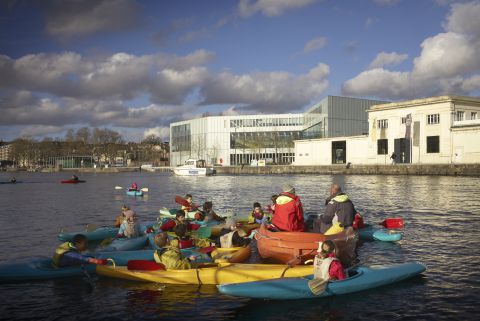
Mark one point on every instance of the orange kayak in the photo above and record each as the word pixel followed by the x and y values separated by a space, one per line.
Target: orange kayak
pixel 298 247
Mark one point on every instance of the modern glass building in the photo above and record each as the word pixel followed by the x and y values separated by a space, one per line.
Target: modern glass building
pixel 235 140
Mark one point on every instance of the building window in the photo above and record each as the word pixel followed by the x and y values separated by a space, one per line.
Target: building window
pixel 433 119
pixel 473 115
pixel 460 115
pixel 382 146
pixel 404 120
pixel 382 123
pixel 433 144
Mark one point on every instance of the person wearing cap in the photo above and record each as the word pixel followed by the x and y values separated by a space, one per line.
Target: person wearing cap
pixel 230 236
pixel 130 226
pixel 288 211
pixel 120 218
pixel 208 214
pixel 170 255
pixel 339 208
pixel 69 253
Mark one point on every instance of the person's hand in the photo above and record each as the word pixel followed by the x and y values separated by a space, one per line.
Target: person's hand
pixel 149 230
pixel 192 258
pixel 98 261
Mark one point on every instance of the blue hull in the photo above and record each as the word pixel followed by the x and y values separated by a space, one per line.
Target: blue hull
pixel 370 233
pixel 126 244
pixel 97 235
pixel 39 269
pixel 135 193
pixel 297 288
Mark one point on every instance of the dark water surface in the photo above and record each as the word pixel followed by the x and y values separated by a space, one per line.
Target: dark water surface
pixel 442 217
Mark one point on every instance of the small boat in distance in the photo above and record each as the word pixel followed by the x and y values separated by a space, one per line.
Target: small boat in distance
pixel 193 167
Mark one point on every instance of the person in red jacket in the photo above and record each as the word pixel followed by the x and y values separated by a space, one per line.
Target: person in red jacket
pixel 288 211
pixel 179 219
pixel 326 265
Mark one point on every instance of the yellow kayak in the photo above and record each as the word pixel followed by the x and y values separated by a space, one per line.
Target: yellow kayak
pixel 216 273
pixel 231 255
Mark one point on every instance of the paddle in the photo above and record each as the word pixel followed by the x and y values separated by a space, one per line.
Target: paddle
pixel 393 223
pixel 143 189
pixel 90 280
pixel 144 265
pixel 317 286
pixel 180 200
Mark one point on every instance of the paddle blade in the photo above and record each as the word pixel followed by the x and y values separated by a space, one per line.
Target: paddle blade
pixel 180 200
pixel 144 265
pixel 144 189
pixel 118 187
pixel 206 250
pixel 393 222
pixel 317 286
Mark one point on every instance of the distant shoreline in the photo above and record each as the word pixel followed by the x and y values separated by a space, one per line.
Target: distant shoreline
pixel 399 169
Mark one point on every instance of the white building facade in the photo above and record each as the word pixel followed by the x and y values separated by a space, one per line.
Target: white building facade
pixel 436 130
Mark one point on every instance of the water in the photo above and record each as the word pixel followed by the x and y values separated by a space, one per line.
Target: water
pixel 442 217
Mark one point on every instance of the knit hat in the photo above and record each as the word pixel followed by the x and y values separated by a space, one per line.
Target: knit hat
pixel 129 214
pixel 287 188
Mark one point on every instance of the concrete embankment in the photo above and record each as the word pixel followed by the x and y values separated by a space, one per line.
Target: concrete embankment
pixel 403 169
pixel 108 170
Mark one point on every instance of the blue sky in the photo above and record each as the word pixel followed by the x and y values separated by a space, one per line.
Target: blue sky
pixel 135 66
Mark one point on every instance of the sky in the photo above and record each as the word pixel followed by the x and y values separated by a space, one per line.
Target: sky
pixel 136 66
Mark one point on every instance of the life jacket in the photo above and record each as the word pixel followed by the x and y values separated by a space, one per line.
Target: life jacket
pixel 227 240
pixel 358 221
pixel 171 257
pixel 258 218
pixel 334 229
pixel 61 250
pixel 185 244
pixel 289 213
pixel 321 267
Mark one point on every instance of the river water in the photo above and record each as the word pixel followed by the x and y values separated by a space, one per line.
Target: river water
pixel 442 216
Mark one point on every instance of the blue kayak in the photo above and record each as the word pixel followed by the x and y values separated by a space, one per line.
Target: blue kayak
pixel 134 193
pixel 371 233
pixel 39 268
pixel 122 257
pixel 99 234
pixel 361 278
pixel 125 244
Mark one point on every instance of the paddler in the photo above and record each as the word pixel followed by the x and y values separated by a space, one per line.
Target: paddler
pixel 288 212
pixel 74 178
pixel 327 266
pixel 257 215
pixel 69 253
pixel 133 187
pixel 170 255
pixel 339 208
pixel 131 226
pixel 230 236
pixel 120 218
pixel 179 219
pixel 208 214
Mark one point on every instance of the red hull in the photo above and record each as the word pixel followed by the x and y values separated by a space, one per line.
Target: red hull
pixel 72 182
pixel 298 247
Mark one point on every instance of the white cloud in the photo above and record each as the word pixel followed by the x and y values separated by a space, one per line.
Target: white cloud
pixel 270 8
pixel 231 111
pixel 370 22
pixel 387 59
pixel 449 63
pixel 314 44
pixel 72 19
pixel 162 132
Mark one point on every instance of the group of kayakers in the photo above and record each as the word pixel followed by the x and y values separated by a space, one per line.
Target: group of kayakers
pixel 284 214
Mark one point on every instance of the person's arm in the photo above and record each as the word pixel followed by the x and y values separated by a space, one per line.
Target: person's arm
pixel 336 271
pixel 193 227
pixel 327 217
pixel 121 230
pixel 73 258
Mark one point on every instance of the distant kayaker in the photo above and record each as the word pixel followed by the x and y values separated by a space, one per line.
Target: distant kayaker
pixel 339 208
pixel 288 211
pixel 326 265
pixel 179 219
pixel 13 180
pixel 257 215
pixel 208 214
pixel 74 178
pixel 68 253
pixel 170 255
pixel 130 227
pixel 120 218
pixel 134 187
pixel 271 207
pixel 191 206
pixel 230 236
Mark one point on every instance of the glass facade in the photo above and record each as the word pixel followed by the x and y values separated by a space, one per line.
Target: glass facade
pixel 181 138
pixel 271 139
pixel 266 122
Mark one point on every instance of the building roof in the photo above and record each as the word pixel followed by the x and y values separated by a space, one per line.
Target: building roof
pixel 426 101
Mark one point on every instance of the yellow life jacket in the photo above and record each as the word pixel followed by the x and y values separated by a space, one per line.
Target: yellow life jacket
pixel 334 229
pixel 171 257
pixel 61 250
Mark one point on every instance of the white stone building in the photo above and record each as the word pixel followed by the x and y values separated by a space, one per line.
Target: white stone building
pixel 436 130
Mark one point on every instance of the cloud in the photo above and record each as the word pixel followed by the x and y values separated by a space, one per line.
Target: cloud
pixel 67 20
pixel 231 111
pixel 370 22
pixel 386 2
pixel 270 8
pixel 449 63
pixel 267 91
pixel 351 46
pixel 315 44
pixel 40 130
pixel 387 59
pixel 162 132
pixel 162 36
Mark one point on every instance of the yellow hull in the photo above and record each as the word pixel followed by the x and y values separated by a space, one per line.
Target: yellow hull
pixel 211 274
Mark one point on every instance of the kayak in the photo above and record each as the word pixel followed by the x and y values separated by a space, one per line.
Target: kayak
pixel 17 182
pixel 298 247
pixel 98 234
pixel 371 233
pixel 122 257
pixel 231 255
pixel 72 181
pixel 125 244
pixel 208 274
pixel 171 213
pixel 39 268
pixel 361 278
pixel 134 193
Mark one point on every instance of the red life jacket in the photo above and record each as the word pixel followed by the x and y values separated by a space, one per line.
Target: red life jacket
pixel 358 221
pixel 185 244
pixel 289 216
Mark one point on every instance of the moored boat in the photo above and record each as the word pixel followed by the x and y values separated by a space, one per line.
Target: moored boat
pixel 360 278
pixel 193 167
pixel 298 247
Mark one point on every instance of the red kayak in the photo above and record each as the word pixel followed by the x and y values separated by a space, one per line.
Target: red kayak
pixel 393 223
pixel 72 181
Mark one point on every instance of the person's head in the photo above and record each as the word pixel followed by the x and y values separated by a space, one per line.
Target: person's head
pixel 161 239
pixel 180 216
pixel 207 206
pixel 287 188
pixel 125 208
pixel 274 198
pixel 80 242
pixel 230 223
pixel 257 208
pixel 189 198
pixel 335 189
pixel 180 230
pixel 130 215
pixel 328 247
